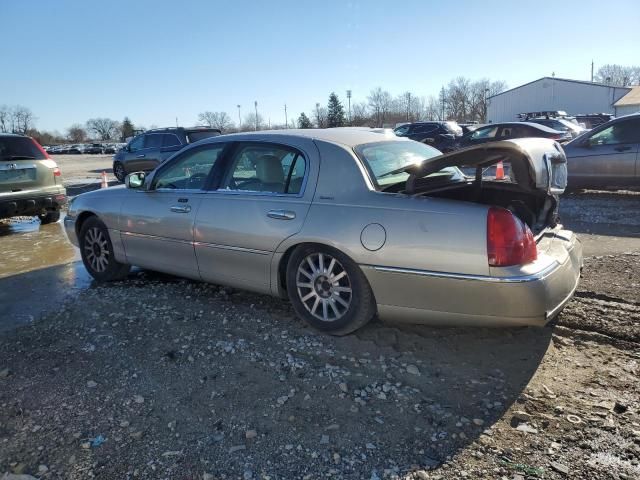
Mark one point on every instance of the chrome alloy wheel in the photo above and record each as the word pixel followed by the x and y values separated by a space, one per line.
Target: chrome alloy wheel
pixel 96 249
pixel 323 287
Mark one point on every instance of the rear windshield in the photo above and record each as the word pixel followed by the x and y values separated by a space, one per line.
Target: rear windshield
pixel 19 148
pixel 386 161
pixel 201 135
pixel 453 127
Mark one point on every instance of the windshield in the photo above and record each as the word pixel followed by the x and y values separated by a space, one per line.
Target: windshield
pixel 386 161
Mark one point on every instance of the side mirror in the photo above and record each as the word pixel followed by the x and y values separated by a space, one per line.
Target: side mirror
pixel 134 180
pixel 429 140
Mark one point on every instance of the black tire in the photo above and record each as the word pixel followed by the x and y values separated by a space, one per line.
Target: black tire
pixel 361 305
pixel 49 217
pixel 119 171
pixel 96 250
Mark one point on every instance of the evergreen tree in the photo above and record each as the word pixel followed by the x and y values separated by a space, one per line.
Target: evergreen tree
pixel 126 129
pixel 335 115
pixel 304 121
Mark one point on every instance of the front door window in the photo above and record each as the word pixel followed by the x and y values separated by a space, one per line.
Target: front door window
pixel 190 170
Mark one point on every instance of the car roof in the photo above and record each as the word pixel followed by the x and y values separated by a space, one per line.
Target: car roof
pixel 11 135
pixel 538 126
pixel 346 136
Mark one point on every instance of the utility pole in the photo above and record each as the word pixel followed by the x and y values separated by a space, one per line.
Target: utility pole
pixel 486 96
pixel 255 104
pixel 442 94
pixel 318 114
pixel 349 101
pixel 591 71
pixel 239 121
pixel 176 122
pixel 408 104
pixel 286 120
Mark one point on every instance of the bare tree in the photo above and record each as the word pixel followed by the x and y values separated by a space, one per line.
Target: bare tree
pixel 359 114
pixel 5 118
pixel 105 128
pixel 619 75
pixel 320 114
pixel 76 134
pixel 21 119
pixel 250 123
pixel 380 103
pixel 219 120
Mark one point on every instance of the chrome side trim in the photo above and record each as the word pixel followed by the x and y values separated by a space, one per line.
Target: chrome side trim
pixel 229 247
pixel 198 244
pixel 155 237
pixel 463 276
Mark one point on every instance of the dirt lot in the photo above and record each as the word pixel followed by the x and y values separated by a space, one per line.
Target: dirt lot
pixel 157 377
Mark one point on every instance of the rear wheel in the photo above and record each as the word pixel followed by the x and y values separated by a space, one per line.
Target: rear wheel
pixel 49 217
pixel 96 250
pixel 328 290
pixel 118 171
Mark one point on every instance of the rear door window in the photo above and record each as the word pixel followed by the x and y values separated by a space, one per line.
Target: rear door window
pixel 153 140
pixel 266 168
pixel 170 140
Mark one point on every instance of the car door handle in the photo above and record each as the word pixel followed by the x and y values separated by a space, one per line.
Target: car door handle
pixel 281 214
pixel 622 149
pixel 140 156
pixel 180 208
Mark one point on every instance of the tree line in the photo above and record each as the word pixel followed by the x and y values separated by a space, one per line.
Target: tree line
pixel 462 100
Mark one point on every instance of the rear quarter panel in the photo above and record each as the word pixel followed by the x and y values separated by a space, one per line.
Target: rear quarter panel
pixel 421 233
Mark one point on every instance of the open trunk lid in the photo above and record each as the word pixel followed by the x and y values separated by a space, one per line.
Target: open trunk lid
pixel 535 163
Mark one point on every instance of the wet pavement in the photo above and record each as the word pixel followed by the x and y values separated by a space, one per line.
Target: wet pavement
pixel 39 268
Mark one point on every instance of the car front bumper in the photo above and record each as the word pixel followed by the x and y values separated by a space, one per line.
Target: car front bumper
pixel 439 298
pixel 70 229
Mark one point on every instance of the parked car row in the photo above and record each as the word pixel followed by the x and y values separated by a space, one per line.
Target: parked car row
pixel 607 156
pixel 85 148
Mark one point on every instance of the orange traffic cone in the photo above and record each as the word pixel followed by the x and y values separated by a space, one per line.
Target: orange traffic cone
pixel 104 183
pixel 499 171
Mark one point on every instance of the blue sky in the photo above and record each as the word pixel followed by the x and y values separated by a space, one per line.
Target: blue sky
pixel 157 60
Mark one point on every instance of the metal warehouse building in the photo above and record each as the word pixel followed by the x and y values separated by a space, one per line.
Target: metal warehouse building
pixel 550 93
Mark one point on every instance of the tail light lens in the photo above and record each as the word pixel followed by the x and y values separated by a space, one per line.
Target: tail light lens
pixel 57 172
pixel 509 241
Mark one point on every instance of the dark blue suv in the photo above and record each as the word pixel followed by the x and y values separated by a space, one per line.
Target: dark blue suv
pixel 146 151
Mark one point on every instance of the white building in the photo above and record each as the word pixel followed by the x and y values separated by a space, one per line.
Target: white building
pixel 550 93
pixel 630 103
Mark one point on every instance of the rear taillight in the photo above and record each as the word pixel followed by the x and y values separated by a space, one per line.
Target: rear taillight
pixel 57 172
pixel 39 147
pixel 509 241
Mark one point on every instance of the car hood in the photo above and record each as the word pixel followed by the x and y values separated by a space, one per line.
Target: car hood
pixel 536 163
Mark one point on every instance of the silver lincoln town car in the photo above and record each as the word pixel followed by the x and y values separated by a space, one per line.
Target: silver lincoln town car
pixel 348 224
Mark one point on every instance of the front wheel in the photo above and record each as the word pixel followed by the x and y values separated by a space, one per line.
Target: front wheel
pixel 96 250
pixel 119 172
pixel 328 290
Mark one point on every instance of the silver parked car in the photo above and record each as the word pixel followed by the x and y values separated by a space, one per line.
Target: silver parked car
pixel 347 224
pixel 607 156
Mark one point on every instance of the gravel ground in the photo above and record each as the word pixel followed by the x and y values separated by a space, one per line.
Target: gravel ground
pixel 156 377
pixel 162 378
